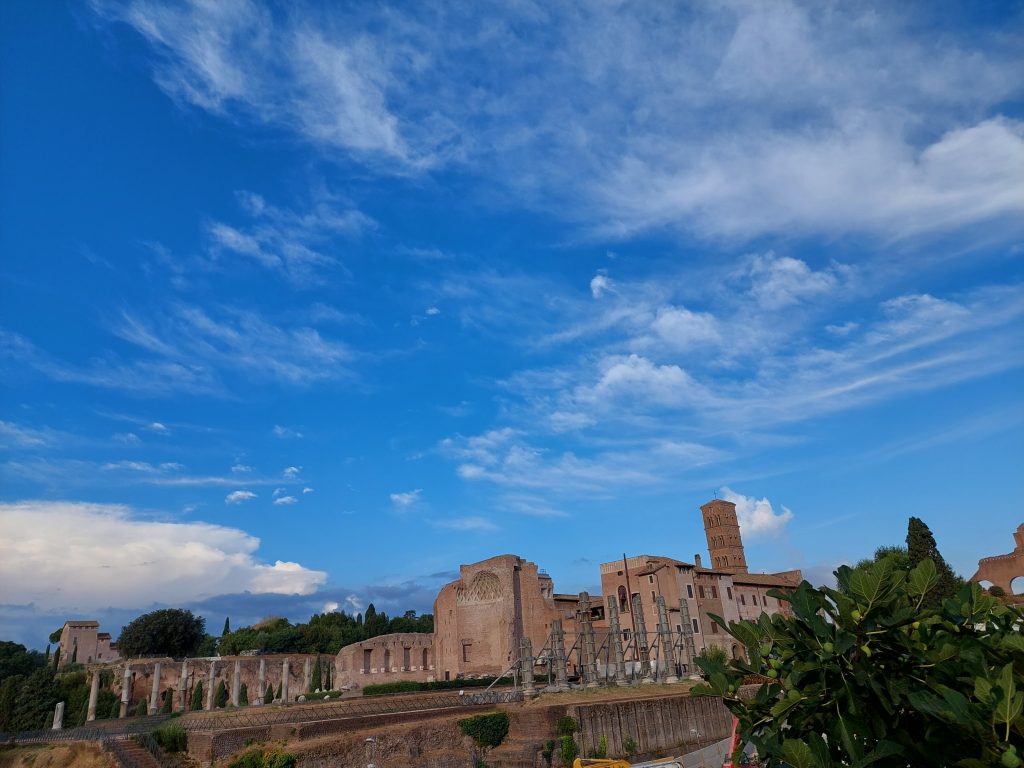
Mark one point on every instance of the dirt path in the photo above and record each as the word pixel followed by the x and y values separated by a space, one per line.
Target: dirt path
pixel 73 755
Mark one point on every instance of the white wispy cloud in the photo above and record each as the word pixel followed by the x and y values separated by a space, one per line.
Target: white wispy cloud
pixel 237 497
pixel 290 473
pixel 469 523
pixel 285 433
pixel 757 517
pixel 727 121
pixel 241 469
pixel 285 500
pixel 20 436
pixel 406 498
pixel 205 559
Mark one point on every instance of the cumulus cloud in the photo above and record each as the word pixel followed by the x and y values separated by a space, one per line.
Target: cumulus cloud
pixel 433 311
pixel 600 284
pixel 156 426
pixel 757 517
pixel 237 497
pixel 290 473
pixel 285 500
pixel 406 498
pixel 111 556
pixel 307 489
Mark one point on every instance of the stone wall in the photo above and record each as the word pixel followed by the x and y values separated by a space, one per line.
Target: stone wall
pixel 658 726
pixel 386 659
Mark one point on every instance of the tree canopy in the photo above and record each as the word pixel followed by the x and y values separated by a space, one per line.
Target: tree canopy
pixel 921 546
pixel 167 632
pixel 15 659
pixel 870 673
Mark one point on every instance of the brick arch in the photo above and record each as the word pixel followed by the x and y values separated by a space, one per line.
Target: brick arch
pixel 1004 570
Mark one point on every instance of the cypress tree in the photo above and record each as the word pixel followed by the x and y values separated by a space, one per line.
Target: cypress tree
pixel 227 626
pixel 196 703
pixel 56 658
pixel 168 705
pixel 142 709
pixel 314 679
pixel 115 709
pixel 327 677
pixel 278 695
pixel 220 698
pixel 47 652
pixel 920 546
pixel 268 696
pixel 243 695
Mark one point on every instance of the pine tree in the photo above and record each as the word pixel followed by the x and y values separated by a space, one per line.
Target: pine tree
pixel 920 546
pixel 227 626
pixel 220 698
pixel 243 695
pixel 197 698
pixel 314 679
pixel 268 696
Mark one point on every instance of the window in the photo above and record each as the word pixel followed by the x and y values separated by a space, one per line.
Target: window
pixel 387 660
pixel 696 626
pixel 623 606
pixel 650 579
pixel 654 597
pixel 406 659
pixel 714 628
pixel 743 599
pixel 597 613
pixel 367 660
pixel 689 591
pixel 625 634
pixel 700 591
pixel 426 658
pixel 754 598
pixel 465 652
pixel 728 591
pixel 714 593
pixel 679 629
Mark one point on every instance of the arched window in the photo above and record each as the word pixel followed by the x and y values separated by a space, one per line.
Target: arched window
pixel 623 599
pixel 387 660
pixel 426 659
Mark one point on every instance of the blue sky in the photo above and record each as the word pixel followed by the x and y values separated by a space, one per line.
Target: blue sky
pixel 302 306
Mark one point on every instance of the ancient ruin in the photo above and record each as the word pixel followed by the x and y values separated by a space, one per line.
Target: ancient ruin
pixel 1002 570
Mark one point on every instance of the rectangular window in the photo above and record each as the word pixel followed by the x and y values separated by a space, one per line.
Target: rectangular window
pixel 654 597
pixel 465 652
pixel 696 626
pixel 700 591
pixel 728 591
pixel 625 634
pixel 689 591
pixel 679 628
pixel 650 579
pixel 754 598
pixel 743 599
pixel 714 628
pixel 714 593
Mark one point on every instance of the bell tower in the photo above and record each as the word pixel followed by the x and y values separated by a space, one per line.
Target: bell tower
pixel 722 529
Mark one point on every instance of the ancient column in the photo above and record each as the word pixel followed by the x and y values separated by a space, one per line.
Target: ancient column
pixel 261 683
pixel 616 638
pixel 210 691
pixel 183 685
pixel 94 695
pixel 306 671
pixel 668 656
pixel 126 690
pixel 526 662
pixel 587 646
pixel 641 641
pixel 558 651
pixel 236 684
pixel 58 716
pixel 154 692
pixel 285 672
pixel 689 652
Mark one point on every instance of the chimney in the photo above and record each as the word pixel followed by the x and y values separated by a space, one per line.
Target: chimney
pixel 696 560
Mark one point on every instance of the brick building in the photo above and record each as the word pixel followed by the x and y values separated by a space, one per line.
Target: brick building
pixel 83 641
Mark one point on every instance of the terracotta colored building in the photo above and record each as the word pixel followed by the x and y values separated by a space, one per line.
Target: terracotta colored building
pixel 83 641
pixel 387 658
pixel 1004 570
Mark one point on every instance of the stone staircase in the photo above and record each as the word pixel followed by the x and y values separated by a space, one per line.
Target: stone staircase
pixel 127 754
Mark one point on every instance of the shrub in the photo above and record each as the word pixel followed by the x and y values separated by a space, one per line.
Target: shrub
pixel 142 709
pixel 196 703
pixel 257 758
pixel 629 745
pixel 486 730
pixel 410 686
pixel 115 708
pixel 243 695
pixel 548 752
pixel 566 726
pixel 916 685
pixel 996 591
pixel 567 748
pixel 168 705
pixel 220 698
pixel 601 751
pixel 322 695
pixel 711 654
pixel 171 738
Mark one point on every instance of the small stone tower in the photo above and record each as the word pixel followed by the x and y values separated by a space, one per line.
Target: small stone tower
pixel 723 531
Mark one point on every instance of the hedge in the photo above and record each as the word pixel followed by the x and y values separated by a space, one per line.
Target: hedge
pixel 411 686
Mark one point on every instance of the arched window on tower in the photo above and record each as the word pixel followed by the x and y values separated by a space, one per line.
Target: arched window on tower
pixel 623 600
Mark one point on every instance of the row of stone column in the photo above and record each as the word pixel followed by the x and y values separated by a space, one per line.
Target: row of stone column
pixel 154 694
pixel 666 669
